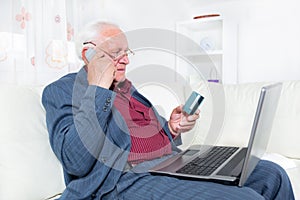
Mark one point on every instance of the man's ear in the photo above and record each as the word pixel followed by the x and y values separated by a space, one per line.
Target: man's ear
pixel 83 55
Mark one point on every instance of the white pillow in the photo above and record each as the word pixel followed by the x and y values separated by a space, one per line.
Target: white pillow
pixel 240 106
pixel 286 128
pixel 28 167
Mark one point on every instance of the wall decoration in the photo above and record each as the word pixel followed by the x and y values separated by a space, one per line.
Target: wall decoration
pixel 32 60
pixel 70 32
pixel 57 19
pixel 56 54
pixel 23 17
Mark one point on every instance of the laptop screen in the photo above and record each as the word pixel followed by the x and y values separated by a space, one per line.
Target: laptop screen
pixel 261 129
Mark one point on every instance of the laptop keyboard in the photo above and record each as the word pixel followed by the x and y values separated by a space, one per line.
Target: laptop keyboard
pixel 207 164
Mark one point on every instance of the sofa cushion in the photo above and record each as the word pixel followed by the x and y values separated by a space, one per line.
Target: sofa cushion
pixel 240 106
pixel 286 128
pixel 28 168
pixel 294 174
pixel 241 102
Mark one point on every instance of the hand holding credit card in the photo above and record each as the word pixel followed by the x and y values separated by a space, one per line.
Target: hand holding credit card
pixel 192 103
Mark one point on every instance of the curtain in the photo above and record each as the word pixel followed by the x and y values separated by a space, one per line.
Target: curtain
pixel 37 38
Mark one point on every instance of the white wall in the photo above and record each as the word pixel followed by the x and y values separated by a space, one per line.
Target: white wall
pixel 133 14
pixel 269 30
pixel 269 36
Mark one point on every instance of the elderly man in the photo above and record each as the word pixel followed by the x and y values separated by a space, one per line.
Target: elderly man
pixel 107 135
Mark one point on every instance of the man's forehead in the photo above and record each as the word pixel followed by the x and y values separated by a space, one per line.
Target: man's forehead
pixel 112 36
pixel 110 31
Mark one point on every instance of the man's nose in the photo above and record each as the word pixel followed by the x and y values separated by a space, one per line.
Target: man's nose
pixel 124 59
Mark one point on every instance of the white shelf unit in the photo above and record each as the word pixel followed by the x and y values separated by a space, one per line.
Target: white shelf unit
pixel 210 44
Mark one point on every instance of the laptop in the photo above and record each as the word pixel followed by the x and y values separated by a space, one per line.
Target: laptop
pixel 225 164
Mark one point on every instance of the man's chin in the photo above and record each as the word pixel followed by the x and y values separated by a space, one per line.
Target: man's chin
pixel 119 80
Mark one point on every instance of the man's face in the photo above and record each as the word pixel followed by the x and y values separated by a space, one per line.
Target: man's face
pixel 114 43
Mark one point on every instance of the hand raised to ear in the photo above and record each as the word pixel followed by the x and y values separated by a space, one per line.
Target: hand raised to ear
pixel 101 70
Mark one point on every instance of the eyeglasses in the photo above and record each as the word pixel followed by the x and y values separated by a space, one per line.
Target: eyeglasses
pixel 114 56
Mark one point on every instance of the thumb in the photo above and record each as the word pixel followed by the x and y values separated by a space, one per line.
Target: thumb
pixel 178 109
pixel 176 113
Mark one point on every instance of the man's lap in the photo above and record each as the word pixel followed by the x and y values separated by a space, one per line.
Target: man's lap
pixel 162 187
pixel 265 179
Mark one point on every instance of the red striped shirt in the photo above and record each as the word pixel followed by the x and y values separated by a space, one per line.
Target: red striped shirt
pixel 148 139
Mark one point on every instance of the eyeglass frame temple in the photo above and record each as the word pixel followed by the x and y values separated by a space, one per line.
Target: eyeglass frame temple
pixel 90 42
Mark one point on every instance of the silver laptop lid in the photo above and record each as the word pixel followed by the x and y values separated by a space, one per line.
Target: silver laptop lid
pixel 261 129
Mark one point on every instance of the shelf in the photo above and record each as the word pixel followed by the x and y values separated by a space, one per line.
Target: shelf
pixel 200 24
pixel 203 53
pixel 218 38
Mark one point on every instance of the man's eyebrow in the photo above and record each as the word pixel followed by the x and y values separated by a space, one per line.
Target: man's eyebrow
pixel 118 49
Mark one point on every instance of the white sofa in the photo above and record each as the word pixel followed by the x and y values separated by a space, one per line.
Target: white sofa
pixel 30 171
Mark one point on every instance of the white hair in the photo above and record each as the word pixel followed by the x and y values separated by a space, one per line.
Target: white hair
pixel 89 33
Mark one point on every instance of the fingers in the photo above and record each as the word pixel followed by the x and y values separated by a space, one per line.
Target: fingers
pixel 188 122
pixel 185 129
pixel 181 122
pixel 197 112
pixel 109 71
pixel 101 71
pixel 191 118
pixel 181 128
